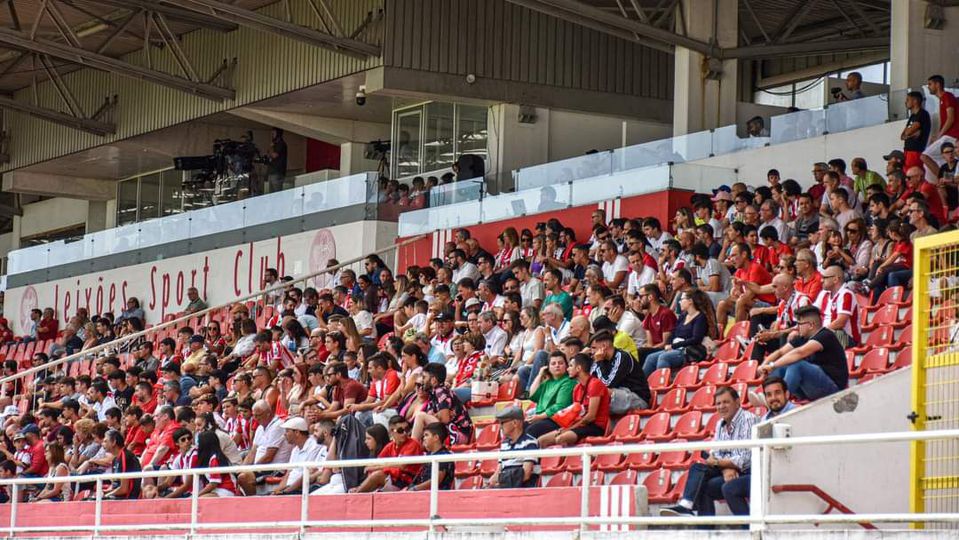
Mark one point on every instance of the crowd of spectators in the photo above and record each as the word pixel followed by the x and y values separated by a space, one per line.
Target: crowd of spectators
pixel 387 364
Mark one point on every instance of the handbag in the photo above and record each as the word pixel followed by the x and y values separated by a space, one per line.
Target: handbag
pixel 565 417
pixel 695 353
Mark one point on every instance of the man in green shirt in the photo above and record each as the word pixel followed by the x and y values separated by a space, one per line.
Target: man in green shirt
pixel 864 177
pixel 553 280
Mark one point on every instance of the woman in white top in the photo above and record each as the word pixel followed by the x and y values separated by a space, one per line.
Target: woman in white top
pixel 56 491
pixel 534 338
pixel 363 320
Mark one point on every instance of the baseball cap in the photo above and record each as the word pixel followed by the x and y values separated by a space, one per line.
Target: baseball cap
pixel 510 413
pixel 30 428
pixel 472 302
pixel 295 423
pixel 723 187
pixel 443 316
pixel 196 338
pixel 895 154
pixel 722 196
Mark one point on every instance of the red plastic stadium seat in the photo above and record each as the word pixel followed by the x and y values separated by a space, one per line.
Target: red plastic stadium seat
pixel 677 492
pixel 687 377
pixel 875 361
pixel 886 316
pixel 551 464
pixel 903 358
pixel 596 478
pixel 905 338
pixel 488 467
pixel 710 428
pixel 881 337
pixel 715 375
pixel 746 372
pixel 704 399
pixel 489 438
pixel 675 399
pixel 625 478
pixel 656 428
pixel 850 361
pixel 641 461
pixel 563 479
pixel 627 426
pixel 892 295
pixel 466 468
pixel 472 482
pixel 689 426
pixel 507 392
pixel 675 459
pixel 608 462
pixel 658 485
pixel 740 329
pixel 573 464
pixel 727 352
pixel 659 379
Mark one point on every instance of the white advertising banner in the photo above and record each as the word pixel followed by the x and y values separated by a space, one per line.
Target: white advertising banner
pixel 220 275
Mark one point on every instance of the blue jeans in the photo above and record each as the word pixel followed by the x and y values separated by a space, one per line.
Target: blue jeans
pixel 672 359
pixel 806 380
pixel 528 372
pixel 464 393
pixel 706 485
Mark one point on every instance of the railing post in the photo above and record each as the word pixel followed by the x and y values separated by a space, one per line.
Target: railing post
pixel 194 503
pixel 14 495
pixel 434 493
pixel 759 484
pixel 304 499
pixel 584 494
pixel 98 508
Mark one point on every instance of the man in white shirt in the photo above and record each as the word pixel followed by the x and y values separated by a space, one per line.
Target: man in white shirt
pixel 461 266
pixel 769 216
pixel 655 235
pixel 305 450
pixel 640 275
pixel 626 320
pixel 99 400
pixel 491 301
pixel 615 266
pixel 530 289
pixel 496 337
pixel 269 445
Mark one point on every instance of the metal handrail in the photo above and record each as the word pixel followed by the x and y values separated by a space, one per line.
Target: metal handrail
pixel 757 519
pixel 92 351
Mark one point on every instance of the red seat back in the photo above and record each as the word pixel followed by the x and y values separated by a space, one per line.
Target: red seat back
pixel 489 436
pixel 687 377
pixel 880 337
pixel 659 379
pixel 876 360
pixel 716 374
pixel 744 372
pixel 625 478
pixel 740 329
pixel 472 482
pixel 563 479
pixel 704 399
pixel 674 400
pixel 508 390
pixel 658 424
pixel 688 424
pixel 628 426
pixel 903 358
pixel 727 352
pixel 658 483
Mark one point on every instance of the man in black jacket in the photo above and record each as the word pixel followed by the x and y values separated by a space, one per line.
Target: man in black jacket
pixel 620 373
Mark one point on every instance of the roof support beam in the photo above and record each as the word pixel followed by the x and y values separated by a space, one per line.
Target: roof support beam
pixel 173 13
pixel 807 48
pixel 83 124
pixel 258 21
pixel 112 65
pixel 616 21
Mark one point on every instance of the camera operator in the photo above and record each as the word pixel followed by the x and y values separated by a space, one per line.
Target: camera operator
pixel 276 161
pixel 853 88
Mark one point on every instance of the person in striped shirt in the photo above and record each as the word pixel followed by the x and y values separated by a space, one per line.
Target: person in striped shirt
pixel 515 472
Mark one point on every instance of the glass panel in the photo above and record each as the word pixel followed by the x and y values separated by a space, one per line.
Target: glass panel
pixel 567 170
pixel 149 196
pixel 528 201
pixel 868 111
pixel 464 190
pixel 897 106
pixel 127 201
pixel 171 193
pixel 338 193
pixel 644 155
pixel 273 207
pixel 438 151
pixel 225 217
pixel 64 253
pixel 797 125
pixel 115 240
pixel 692 146
pixel 445 217
pixel 700 178
pixel 471 134
pixel 27 259
pixel 155 232
pixel 634 182
pixel 406 149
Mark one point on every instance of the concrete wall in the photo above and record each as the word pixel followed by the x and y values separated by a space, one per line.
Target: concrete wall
pixel 868 478
pixel 49 215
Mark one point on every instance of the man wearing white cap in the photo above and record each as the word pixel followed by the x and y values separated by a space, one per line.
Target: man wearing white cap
pixel 305 450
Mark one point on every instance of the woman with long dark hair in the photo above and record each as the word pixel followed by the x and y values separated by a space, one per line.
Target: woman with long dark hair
pixel 209 455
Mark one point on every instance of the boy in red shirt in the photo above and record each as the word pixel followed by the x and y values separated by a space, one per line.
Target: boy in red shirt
pixel 393 478
pixel 593 398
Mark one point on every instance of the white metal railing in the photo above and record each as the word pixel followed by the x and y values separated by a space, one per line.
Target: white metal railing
pixel 758 519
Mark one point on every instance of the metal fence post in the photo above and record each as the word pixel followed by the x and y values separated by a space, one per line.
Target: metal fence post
pixel 759 484
pixel 194 503
pixel 304 499
pixel 98 508
pixel 15 494
pixel 584 494
pixel 434 492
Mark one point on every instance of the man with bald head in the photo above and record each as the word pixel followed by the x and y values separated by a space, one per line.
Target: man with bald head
pixel 269 446
pixel 916 183
pixel 579 328
pixel 777 322
pixel 838 306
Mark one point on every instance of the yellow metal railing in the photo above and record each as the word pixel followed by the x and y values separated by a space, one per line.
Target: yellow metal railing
pixel 935 373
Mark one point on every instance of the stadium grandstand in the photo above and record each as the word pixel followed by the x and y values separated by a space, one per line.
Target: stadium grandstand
pixel 474 268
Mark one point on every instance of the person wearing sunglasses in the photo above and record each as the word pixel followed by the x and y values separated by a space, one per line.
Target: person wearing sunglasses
pixel 172 487
pixel 393 478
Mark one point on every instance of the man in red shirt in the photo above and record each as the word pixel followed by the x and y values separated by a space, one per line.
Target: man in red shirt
pixel 47 326
pixel 741 299
pixel 948 124
pixel 160 446
pixel 808 278
pixel 393 478
pixel 916 182
pixel 658 323
pixel 38 459
pixel 346 392
pixel 385 381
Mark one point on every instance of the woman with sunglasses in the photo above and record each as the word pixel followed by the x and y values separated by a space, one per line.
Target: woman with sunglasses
pixel 172 487
pixel 215 342
pixel 509 249
pixel 858 249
